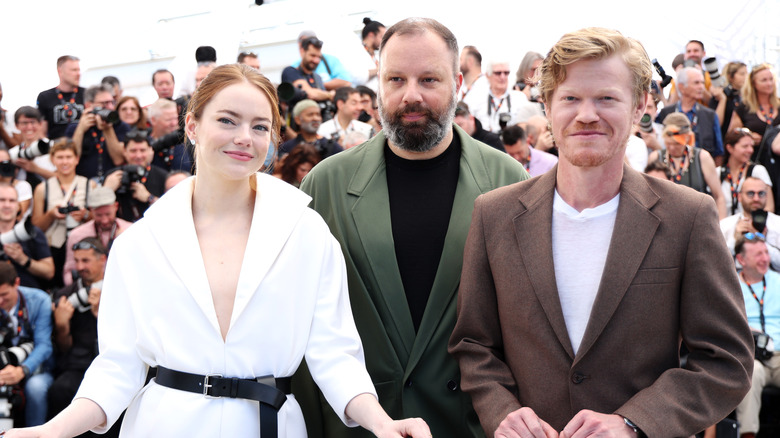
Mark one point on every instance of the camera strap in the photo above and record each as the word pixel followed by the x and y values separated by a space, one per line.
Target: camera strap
pixel 759 301
pixel 22 329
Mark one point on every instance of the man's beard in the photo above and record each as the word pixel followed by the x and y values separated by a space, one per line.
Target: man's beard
pixel 310 127
pixel 420 136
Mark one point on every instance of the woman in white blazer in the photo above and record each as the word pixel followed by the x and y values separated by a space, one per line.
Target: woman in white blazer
pixel 228 277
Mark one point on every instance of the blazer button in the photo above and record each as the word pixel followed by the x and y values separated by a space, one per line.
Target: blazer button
pixel 452 385
pixel 577 378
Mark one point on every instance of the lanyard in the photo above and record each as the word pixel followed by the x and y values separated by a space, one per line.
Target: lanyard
pixel 735 185
pixel 67 105
pixel 683 168
pixel 759 301
pixel 491 104
pixel 111 234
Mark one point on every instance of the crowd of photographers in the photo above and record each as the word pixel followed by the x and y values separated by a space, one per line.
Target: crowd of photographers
pixel 82 165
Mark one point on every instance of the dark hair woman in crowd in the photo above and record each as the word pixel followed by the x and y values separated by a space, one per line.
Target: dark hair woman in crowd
pixel 738 148
pixel 130 112
pixel 298 163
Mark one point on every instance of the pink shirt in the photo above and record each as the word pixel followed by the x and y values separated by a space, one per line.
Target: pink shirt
pixel 87 230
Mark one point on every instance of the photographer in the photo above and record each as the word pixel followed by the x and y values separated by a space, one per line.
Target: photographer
pixel 754 219
pixel 98 142
pixel 75 322
pixel 348 107
pixel 303 76
pixel 761 292
pixel 59 203
pixel 29 122
pixel 306 114
pixel 104 225
pixel 31 258
pixel 139 183
pixel 166 137
pixel 26 319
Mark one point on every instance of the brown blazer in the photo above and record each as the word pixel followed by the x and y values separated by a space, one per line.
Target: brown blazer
pixel 668 278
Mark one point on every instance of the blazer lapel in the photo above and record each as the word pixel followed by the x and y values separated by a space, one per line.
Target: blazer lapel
pixel 371 213
pixel 635 226
pixel 533 231
pixel 170 222
pixel 267 234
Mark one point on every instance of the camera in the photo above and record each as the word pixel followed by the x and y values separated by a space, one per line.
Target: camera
pixel 80 299
pixel 168 141
pixel 665 78
pixel 7 169
pixel 21 232
pixel 503 119
pixel 130 173
pixel 68 209
pixel 364 116
pixel 290 93
pixel 40 147
pixel 646 123
pixel 758 218
pixel 711 65
pixel 107 115
pixel 763 349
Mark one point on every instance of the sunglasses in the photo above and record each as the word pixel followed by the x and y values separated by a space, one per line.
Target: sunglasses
pixel 750 237
pixel 311 41
pixel 137 135
pixel 501 73
pixel 761 193
pixel 87 245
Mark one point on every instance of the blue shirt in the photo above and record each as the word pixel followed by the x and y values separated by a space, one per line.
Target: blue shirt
pixel 39 315
pixel 771 304
pixel 337 70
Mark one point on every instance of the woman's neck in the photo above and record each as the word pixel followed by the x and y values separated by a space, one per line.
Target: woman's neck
pixel 763 100
pixel 213 199
pixel 735 167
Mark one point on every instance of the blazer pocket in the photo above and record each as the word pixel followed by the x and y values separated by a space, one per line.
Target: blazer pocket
pixel 656 276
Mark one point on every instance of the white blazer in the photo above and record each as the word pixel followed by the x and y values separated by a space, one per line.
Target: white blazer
pixel 156 308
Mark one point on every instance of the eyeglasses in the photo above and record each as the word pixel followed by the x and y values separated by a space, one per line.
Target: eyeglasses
pixel 751 193
pixel 105 103
pixel 87 245
pixel 501 73
pixel 137 135
pixel 680 131
pixel 750 237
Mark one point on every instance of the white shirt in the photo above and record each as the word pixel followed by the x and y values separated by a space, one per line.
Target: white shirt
pixel 636 153
pixel 580 242
pixel 487 108
pixel 332 126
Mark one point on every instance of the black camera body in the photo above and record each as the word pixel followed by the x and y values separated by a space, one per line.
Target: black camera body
pixel 758 218
pixel 503 120
pixel 130 173
pixel 68 209
pixel 107 115
pixel 761 341
pixel 665 78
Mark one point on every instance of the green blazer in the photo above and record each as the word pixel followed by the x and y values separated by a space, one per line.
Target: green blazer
pixel 413 374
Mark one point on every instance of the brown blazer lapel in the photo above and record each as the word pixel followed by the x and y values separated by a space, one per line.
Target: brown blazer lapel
pixel 533 230
pixel 635 227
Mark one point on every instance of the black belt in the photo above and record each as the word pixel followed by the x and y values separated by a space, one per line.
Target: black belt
pixel 269 391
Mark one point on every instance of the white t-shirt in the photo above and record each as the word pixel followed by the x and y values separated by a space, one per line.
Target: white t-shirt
pixel 759 172
pixel 580 242
pixel 25 193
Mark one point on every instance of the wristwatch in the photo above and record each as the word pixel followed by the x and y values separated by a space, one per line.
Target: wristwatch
pixel 27 263
pixel 636 429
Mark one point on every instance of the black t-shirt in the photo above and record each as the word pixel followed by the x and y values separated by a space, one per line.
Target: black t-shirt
pixel 36 248
pixel 131 209
pixel 60 109
pixel 292 74
pixel 173 158
pixel 421 195
pixel 93 162
pixel 83 330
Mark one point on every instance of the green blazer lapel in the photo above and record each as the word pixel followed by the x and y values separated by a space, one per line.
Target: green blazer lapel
pixel 533 231
pixel 635 226
pixel 371 213
pixel 474 179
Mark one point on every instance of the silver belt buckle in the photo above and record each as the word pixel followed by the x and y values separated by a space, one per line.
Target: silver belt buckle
pixel 207 385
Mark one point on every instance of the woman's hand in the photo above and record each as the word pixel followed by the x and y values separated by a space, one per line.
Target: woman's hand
pixel 410 427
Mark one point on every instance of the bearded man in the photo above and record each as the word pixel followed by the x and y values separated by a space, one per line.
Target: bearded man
pixel 400 204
